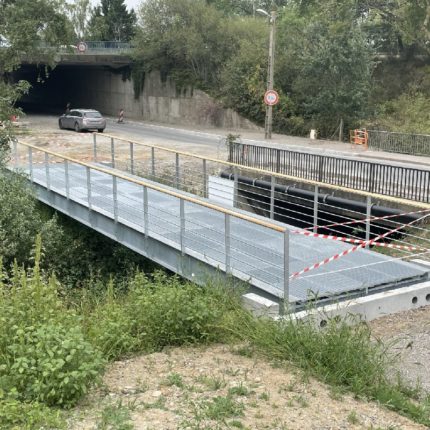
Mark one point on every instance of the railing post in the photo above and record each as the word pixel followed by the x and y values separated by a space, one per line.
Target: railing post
pixel 145 212
pixel 153 161
pixel 112 151
pixel 372 178
pixel 66 174
pixel 30 163
pixel 115 198
pixel 235 187
pixel 182 216
pixel 177 177
pixel 316 193
pixel 321 169
pixel 205 179
pixel 227 244
pixel 368 215
pixel 286 270
pixel 131 158
pixel 48 179
pixel 272 197
pixel 95 147
pixel 88 186
pixel 278 160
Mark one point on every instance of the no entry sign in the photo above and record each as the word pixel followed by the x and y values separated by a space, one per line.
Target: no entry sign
pixel 271 97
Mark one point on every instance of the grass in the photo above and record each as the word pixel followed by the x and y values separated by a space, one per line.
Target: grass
pixel 116 416
pixel 152 313
pixel 352 418
pixel 213 383
pixel 222 407
pixel 174 379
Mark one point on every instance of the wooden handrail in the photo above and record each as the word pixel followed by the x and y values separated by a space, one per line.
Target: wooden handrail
pixel 162 190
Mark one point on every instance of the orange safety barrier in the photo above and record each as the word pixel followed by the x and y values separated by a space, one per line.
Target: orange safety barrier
pixel 358 137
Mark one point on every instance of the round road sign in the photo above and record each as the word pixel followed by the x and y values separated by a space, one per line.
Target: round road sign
pixel 82 46
pixel 271 97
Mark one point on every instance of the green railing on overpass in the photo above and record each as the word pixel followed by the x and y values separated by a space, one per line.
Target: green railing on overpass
pixel 94 47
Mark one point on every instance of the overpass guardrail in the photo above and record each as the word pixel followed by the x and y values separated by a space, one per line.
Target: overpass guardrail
pixel 403 143
pixel 384 179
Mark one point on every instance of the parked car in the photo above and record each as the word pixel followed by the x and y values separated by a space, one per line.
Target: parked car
pixel 82 119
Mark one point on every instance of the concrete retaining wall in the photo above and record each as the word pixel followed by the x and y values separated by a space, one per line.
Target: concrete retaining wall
pixel 108 91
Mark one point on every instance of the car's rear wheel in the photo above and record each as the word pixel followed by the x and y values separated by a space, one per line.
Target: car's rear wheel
pixel 60 124
pixel 100 130
pixel 77 128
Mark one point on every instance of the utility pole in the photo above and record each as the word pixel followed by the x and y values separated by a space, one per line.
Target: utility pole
pixel 271 66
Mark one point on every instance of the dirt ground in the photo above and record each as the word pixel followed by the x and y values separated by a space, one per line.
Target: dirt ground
pixel 215 388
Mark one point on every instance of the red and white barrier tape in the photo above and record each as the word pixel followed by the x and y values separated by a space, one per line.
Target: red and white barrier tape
pixel 359 241
pixel 358 221
pixel 353 249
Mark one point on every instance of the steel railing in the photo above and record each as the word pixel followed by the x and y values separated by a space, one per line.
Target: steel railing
pixel 61 173
pixel 191 174
pixel 383 179
pixel 404 143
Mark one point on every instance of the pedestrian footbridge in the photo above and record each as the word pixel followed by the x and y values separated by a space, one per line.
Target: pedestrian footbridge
pixel 196 237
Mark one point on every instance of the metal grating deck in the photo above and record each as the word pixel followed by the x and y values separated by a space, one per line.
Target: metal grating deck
pixel 256 251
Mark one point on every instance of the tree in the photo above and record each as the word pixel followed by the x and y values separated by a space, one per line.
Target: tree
pixel 186 38
pixel 327 66
pixel 112 21
pixel 243 77
pixel 79 15
pixel 27 28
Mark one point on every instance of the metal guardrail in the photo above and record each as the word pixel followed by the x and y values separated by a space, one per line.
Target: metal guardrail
pixel 383 179
pixel 99 184
pixel 59 172
pixel 92 47
pixel 404 143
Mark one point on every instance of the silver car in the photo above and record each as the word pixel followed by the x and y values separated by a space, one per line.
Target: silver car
pixel 82 119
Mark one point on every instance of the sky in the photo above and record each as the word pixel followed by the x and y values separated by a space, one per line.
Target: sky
pixel 131 4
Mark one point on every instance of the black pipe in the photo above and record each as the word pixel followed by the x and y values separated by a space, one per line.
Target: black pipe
pixel 327 199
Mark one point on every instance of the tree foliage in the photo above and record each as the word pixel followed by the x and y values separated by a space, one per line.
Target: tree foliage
pixel 28 28
pixel 186 38
pixel 78 14
pixel 111 21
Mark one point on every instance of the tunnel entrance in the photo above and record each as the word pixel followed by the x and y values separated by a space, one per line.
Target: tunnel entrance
pixel 84 86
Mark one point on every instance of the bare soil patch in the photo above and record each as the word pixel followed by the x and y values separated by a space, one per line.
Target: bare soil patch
pixel 216 388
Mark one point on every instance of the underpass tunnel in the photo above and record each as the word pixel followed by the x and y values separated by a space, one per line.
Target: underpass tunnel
pixel 84 86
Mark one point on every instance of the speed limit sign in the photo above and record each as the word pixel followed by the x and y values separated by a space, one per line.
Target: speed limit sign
pixel 82 46
pixel 271 97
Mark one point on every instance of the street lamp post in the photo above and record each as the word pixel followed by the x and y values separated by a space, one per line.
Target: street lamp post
pixel 270 69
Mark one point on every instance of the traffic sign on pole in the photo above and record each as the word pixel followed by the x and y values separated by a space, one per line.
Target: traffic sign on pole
pixel 82 47
pixel 271 97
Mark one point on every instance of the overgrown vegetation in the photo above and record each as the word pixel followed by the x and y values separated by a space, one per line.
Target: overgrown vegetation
pixel 54 345
pixel 56 337
pixel 329 58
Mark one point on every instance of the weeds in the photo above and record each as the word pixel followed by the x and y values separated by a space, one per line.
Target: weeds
pixel 115 417
pixel 52 352
pixel 174 379
pixel 220 408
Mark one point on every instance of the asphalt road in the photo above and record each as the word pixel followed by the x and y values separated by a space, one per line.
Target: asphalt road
pixel 138 130
pixel 155 132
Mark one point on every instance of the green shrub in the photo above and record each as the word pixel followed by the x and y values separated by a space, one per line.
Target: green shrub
pixel 155 313
pixel 111 326
pixel 50 363
pixel 15 415
pixel 168 312
pixel 44 355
